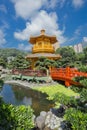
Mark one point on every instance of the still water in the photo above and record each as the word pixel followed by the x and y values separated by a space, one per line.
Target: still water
pixel 18 95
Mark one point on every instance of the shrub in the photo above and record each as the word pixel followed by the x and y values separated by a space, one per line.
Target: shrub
pixel 1 83
pixel 83 95
pixel 65 100
pixel 83 68
pixel 23 116
pixel 7 119
pixel 84 82
pixel 15 117
pixel 78 78
pixel 77 119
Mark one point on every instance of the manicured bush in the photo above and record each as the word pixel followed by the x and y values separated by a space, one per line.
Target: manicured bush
pixel 84 82
pixel 15 117
pixel 65 100
pixel 78 78
pixel 83 68
pixel 23 116
pixel 77 119
pixel 83 95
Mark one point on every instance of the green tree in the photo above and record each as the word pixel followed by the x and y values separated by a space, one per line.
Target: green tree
pixel 69 57
pixel 85 56
pixel 2 62
pixel 19 62
pixel 43 63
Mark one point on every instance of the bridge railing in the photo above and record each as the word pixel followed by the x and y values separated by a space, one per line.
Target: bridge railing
pixel 66 72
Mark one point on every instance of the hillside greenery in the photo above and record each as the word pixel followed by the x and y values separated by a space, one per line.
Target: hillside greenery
pixel 8 52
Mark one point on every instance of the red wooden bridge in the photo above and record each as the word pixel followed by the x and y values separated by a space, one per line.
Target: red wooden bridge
pixel 66 75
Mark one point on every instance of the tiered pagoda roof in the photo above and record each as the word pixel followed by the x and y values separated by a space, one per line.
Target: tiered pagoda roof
pixel 43 46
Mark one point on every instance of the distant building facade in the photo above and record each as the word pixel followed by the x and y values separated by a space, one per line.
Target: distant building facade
pixel 78 48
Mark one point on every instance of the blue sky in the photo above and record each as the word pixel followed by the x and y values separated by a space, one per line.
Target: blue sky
pixel 19 19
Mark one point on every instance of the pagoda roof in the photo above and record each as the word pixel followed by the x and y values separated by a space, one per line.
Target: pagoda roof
pixel 48 55
pixel 43 35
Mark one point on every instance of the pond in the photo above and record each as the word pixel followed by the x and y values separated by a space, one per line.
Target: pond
pixel 18 95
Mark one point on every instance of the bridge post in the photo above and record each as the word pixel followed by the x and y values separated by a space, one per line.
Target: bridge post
pixel 67 71
pixel 67 84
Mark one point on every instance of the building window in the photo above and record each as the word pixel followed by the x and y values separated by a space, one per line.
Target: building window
pixel 39 43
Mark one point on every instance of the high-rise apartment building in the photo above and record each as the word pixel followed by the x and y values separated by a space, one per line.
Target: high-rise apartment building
pixel 78 48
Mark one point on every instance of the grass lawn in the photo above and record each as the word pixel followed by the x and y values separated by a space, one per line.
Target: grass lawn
pixel 52 90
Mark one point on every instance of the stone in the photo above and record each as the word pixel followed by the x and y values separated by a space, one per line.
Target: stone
pixel 40 122
pixel 60 128
pixel 58 111
pixel 46 128
pixel 43 113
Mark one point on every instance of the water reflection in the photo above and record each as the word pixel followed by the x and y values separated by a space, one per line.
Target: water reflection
pixel 24 96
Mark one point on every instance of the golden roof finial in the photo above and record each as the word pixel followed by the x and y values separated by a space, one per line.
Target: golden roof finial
pixel 42 32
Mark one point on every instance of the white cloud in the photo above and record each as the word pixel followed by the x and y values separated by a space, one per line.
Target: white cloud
pixel 85 39
pixel 2 38
pixel 27 9
pixel 3 8
pixel 24 47
pixel 42 20
pixel 77 3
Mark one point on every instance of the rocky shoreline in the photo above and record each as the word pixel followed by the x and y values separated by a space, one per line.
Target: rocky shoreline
pixel 29 85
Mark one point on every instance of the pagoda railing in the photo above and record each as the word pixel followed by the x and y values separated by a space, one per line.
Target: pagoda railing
pixel 43 49
pixel 28 72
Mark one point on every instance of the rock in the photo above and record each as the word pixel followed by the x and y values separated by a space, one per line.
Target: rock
pixel 52 121
pixel 43 113
pixel 65 125
pixel 49 113
pixel 46 128
pixel 58 111
pixel 40 122
pixel 60 128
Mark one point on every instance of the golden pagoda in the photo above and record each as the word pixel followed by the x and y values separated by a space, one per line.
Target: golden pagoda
pixel 42 47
